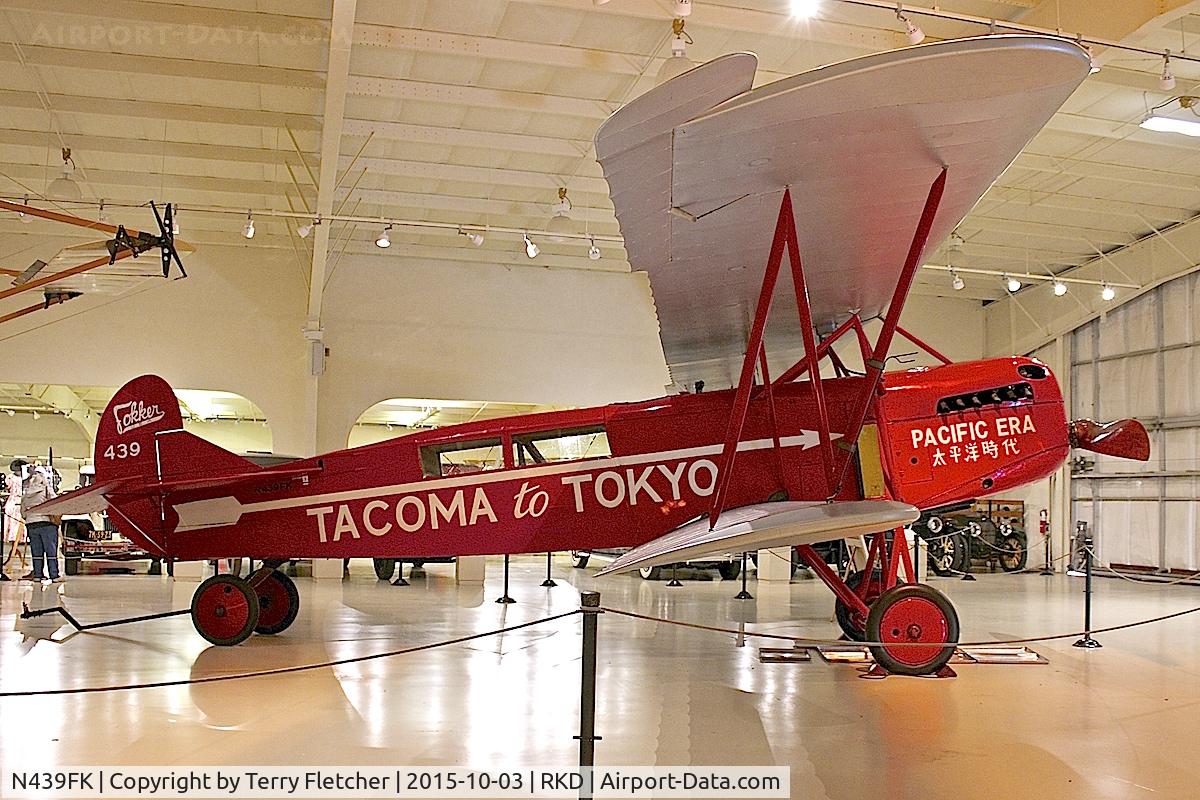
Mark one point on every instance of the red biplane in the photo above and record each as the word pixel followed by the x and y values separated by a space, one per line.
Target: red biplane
pixel 884 156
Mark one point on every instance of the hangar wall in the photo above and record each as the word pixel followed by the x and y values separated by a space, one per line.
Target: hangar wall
pixel 1141 360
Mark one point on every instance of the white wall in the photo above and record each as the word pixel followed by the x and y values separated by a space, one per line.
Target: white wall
pixel 23 436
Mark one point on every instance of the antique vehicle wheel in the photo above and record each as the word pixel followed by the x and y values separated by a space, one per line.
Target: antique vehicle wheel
pixel 854 625
pixel 225 610
pixel 1014 554
pixel 912 622
pixel 71 564
pixel 579 560
pixel 278 601
pixel 946 554
pixel 729 570
pixel 385 568
pixel 651 573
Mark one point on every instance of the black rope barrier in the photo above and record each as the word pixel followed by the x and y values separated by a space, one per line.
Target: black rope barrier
pixel 288 670
pixel 842 642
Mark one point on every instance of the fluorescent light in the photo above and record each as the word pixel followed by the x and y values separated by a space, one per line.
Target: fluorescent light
pixel 1060 288
pixel 804 9
pixel 1187 127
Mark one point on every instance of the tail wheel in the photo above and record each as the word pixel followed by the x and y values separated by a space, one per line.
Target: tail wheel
pixel 385 568
pixel 579 560
pixel 225 610
pixel 1014 554
pixel 278 601
pixel 852 623
pixel 916 626
pixel 651 573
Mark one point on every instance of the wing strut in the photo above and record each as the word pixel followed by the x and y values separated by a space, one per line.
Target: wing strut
pixel 785 239
pixel 874 365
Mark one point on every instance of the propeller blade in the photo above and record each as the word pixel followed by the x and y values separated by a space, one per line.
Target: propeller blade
pixel 1125 438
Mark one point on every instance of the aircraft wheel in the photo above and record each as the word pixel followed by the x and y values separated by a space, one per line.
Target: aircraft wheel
pixel 854 625
pixel 911 622
pixel 651 573
pixel 579 560
pixel 225 610
pixel 278 601
pixel 1014 554
pixel 385 568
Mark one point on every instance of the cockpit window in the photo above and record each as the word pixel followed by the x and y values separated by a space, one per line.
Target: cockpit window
pixel 461 458
pixel 563 444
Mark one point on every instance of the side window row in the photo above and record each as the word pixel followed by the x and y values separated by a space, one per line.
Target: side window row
pixel 541 447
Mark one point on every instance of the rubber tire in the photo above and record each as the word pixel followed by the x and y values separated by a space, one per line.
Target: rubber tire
pixel 579 560
pixel 385 568
pixel 244 592
pixel 962 552
pixel 1014 546
pixel 875 622
pixel 842 611
pixel 651 573
pixel 71 564
pixel 938 548
pixel 272 585
pixel 729 570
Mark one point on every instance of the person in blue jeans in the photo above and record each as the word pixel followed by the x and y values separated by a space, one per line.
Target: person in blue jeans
pixel 42 530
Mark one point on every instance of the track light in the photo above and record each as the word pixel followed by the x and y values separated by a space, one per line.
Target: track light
pixel 1107 293
pixel 36 415
pixel 1167 81
pixel 805 9
pixel 23 216
pixel 10 412
pixel 175 222
pixel 678 63
pixel 1060 288
pixel 307 228
pixel 560 223
pixel 956 281
pixel 474 237
pixel 1011 283
pixel 913 32
pixel 531 249
pixel 594 252
pixel 384 240
pixel 101 214
pixel 956 242
pixel 248 228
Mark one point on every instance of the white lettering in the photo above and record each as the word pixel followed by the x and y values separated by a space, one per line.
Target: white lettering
pixel 674 477
pixel 615 479
pixel 402 522
pixel 135 414
pixel 709 467
pixel 320 513
pixel 345 524
pixel 576 482
pixel 641 484
pixel 375 505
pixel 457 506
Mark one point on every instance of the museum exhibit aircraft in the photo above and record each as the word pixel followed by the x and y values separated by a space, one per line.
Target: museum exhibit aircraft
pixel 877 158
pixel 100 267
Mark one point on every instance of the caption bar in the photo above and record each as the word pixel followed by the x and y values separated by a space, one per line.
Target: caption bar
pixel 388 782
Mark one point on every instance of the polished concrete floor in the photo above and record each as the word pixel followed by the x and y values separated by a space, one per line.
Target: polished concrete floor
pixel 1120 722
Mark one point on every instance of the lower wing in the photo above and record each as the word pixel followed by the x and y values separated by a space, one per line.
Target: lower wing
pixel 766 525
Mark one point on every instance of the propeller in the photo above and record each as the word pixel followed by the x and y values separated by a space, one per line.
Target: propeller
pixel 1124 438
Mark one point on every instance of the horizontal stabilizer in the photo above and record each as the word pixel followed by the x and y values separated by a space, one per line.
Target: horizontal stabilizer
pixel 766 525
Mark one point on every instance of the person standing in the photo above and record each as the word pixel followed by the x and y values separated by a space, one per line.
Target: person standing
pixel 41 529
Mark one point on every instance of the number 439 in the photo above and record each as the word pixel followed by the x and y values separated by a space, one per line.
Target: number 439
pixel 122 450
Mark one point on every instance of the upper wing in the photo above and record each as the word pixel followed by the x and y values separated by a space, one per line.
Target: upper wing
pixel 766 525
pixel 859 143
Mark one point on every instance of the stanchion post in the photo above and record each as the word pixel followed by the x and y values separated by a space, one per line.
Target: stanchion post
pixel 1046 568
pixel 743 594
pixel 504 598
pixel 967 576
pixel 590 606
pixel 549 582
pixel 674 580
pixel 1087 641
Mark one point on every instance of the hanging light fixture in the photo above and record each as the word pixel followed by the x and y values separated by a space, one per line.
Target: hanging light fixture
pixel 474 237
pixel 384 240
pixel 175 222
pixel 248 228
pixel 63 187
pixel 25 218
pixel 102 215
pixel 594 251
pixel 1060 288
pixel 1010 283
pixel 1095 65
pixel 1107 293
pixel 307 228
pixel 531 249
pixel 560 223
pixel 1167 81
pixel 678 63
pixel 913 32
pixel 956 281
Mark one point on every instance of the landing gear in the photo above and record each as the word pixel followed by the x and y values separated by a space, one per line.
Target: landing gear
pixel 225 610
pixel 278 601
pixel 651 573
pixel 916 626
pixel 385 568
pixel 854 623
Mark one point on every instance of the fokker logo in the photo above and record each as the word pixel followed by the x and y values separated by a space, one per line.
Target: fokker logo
pixel 135 414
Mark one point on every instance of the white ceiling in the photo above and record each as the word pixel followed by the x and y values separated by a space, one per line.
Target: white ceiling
pixel 473 112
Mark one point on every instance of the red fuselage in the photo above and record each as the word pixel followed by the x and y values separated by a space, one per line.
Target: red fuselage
pixel 613 476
